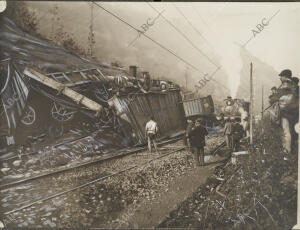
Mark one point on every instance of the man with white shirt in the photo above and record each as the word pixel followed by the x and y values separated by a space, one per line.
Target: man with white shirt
pixel 150 132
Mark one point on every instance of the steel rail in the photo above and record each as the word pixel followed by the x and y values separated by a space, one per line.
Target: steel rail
pixel 101 160
pixel 89 183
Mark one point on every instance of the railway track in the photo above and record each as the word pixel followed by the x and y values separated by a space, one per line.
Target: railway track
pixel 19 156
pixel 86 164
pixel 47 197
pixel 39 201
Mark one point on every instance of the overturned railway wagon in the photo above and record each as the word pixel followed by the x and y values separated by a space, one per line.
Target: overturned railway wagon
pixel 47 91
pixel 195 107
pixel 199 106
pixel 165 107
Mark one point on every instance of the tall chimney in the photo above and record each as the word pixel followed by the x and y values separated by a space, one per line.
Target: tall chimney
pixel 132 70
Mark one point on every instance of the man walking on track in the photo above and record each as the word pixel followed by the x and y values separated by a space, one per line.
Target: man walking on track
pixel 228 132
pixel 197 141
pixel 151 130
pixel 237 134
pixel 190 125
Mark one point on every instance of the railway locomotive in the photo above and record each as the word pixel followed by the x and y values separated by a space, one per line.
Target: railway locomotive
pixel 235 108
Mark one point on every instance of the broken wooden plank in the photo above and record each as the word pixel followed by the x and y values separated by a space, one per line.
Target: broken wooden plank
pixel 77 97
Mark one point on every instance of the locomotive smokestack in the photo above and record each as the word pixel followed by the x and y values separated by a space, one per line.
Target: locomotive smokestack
pixel 145 73
pixel 132 70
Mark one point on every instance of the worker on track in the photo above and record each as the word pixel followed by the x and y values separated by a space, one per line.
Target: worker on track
pixel 197 141
pixel 228 132
pixel 237 134
pixel 190 125
pixel 151 130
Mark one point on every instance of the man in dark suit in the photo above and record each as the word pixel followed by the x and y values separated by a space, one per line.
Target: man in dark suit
pixel 197 141
pixel 237 134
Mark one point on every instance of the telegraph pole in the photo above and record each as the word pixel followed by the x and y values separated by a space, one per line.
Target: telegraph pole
pixel 91 37
pixel 251 104
pixel 186 77
pixel 262 102
pixel 297 226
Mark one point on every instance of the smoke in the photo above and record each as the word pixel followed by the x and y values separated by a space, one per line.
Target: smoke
pixel 230 59
pixel 231 63
pixel 113 37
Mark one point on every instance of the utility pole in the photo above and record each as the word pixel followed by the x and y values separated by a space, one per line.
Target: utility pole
pixel 262 102
pixel 251 104
pixel 186 77
pixel 91 37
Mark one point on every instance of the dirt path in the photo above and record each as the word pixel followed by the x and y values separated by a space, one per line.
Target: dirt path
pixel 151 214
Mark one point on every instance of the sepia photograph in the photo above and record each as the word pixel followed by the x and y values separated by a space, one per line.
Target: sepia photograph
pixel 143 115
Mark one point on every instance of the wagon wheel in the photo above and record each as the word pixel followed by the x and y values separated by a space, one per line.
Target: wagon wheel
pixel 29 116
pixel 61 113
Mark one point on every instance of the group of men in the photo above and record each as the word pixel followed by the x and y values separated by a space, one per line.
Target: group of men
pixel 285 99
pixel 195 134
pixel 234 132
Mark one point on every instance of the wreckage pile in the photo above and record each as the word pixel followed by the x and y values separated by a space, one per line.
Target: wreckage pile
pixel 259 192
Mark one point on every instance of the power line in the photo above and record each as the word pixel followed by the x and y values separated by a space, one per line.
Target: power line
pixel 181 33
pixel 120 19
pixel 191 43
pixel 201 18
pixel 151 39
pixel 216 80
pixel 197 31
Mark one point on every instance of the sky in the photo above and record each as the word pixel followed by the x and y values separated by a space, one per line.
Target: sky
pixel 218 30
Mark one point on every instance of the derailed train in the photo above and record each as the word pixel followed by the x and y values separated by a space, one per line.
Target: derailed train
pixel 31 108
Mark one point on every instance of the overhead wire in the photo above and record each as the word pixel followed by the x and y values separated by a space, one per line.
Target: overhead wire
pixel 204 22
pixel 200 34
pixel 180 32
pixel 148 37
pixel 189 41
pixel 157 43
pixel 197 31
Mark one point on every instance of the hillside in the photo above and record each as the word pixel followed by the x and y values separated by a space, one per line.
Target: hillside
pixel 263 75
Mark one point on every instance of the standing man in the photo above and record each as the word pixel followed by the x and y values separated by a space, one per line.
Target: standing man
pixel 274 96
pixel 197 140
pixel 189 127
pixel 151 130
pixel 237 134
pixel 286 110
pixel 228 132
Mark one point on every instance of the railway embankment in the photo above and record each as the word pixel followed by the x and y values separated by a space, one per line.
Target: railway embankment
pixel 258 192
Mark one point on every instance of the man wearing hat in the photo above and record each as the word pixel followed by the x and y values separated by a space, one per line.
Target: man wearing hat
pixel 237 134
pixel 197 141
pixel 189 127
pixel 229 101
pixel 227 132
pixel 288 106
pixel 274 96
